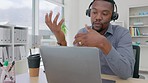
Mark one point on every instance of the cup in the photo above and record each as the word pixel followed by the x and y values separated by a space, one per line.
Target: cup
pixel 34 64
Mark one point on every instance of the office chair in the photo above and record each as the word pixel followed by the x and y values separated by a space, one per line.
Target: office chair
pixel 136 50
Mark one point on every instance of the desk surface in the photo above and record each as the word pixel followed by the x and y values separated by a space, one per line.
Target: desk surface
pixel 25 78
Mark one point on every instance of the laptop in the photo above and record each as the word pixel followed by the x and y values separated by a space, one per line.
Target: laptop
pixel 71 64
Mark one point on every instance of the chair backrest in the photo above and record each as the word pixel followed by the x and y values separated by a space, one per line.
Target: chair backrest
pixel 136 50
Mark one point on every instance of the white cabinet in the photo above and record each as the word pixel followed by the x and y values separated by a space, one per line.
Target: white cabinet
pixel 13 44
pixel 138 23
pixel 138 26
pixel 6 46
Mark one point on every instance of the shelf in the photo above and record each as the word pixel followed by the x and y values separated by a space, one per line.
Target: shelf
pixel 139 36
pixel 138 16
pixel 144 26
pixel 138 25
pixel 48 40
pixel 142 45
pixel 20 43
pixel 10 35
pixel 6 44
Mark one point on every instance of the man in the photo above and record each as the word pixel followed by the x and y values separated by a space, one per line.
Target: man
pixel 114 41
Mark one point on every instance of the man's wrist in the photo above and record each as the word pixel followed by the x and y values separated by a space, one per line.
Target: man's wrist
pixel 106 47
pixel 64 43
pixel 59 44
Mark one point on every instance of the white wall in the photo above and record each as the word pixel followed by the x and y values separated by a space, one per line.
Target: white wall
pixel 83 19
pixel 71 18
pixel 83 6
pixel 76 18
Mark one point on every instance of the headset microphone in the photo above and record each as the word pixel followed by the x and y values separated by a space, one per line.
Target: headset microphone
pixel 106 22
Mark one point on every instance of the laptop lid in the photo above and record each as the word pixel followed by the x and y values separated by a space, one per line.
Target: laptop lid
pixel 71 64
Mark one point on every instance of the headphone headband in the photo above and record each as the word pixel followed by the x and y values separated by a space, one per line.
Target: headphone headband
pixel 91 4
pixel 111 1
pixel 114 14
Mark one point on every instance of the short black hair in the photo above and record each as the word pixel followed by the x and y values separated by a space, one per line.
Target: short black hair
pixel 111 1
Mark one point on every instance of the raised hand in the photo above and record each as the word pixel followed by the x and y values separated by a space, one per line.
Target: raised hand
pixel 56 27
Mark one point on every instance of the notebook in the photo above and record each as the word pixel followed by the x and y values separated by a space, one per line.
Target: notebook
pixel 71 64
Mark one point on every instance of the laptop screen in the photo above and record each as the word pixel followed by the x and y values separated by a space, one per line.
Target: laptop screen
pixel 71 64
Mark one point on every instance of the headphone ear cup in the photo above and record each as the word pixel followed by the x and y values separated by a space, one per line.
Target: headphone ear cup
pixel 88 12
pixel 115 16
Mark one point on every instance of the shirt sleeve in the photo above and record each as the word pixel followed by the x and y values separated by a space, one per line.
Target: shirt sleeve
pixel 120 59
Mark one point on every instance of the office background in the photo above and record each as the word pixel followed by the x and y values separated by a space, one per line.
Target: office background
pixel 72 10
pixel 75 13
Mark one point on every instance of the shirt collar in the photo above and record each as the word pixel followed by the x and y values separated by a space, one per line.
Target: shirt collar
pixel 109 30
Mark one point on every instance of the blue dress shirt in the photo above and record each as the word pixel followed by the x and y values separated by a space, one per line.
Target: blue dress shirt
pixel 120 60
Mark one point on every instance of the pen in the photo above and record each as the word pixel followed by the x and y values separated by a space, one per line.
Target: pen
pixel 1 65
pixel 30 52
pixel 3 71
pixel 11 66
pixel 10 70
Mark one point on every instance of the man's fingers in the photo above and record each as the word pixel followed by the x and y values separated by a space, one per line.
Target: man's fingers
pixel 74 43
pixel 47 20
pixel 56 18
pixel 61 22
pixel 50 16
pixel 77 43
pixel 87 28
pixel 79 35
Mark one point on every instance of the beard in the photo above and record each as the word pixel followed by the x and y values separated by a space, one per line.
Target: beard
pixel 97 27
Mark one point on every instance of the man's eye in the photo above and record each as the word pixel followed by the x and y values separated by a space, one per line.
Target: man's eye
pixel 105 14
pixel 94 12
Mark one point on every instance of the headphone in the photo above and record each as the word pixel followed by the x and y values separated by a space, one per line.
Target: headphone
pixel 115 15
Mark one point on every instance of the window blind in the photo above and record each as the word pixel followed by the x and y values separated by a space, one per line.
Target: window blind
pixel 57 2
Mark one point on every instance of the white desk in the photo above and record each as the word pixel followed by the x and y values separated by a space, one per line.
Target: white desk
pixel 25 78
pixel 118 80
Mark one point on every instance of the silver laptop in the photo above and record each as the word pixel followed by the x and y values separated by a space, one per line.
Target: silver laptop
pixel 71 64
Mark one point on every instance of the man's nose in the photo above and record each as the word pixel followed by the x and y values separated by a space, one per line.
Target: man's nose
pixel 99 16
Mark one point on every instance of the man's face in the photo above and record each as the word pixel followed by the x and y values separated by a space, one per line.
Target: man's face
pixel 100 14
